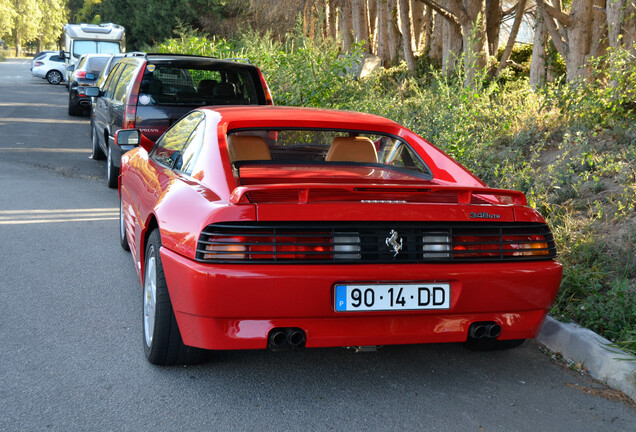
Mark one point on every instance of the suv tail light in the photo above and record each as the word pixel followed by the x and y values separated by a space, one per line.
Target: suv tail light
pixel 131 105
pixel 268 94
pixel 80 74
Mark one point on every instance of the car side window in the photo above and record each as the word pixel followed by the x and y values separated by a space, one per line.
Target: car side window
pixel 123 83
pixel 169 149
pixel 191 151
pixel 111 81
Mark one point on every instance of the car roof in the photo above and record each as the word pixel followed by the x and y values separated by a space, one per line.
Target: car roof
pixel 277 116
pixel 186 58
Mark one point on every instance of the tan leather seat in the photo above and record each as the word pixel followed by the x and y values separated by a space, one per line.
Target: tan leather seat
pixel 247 148
pixel 352 149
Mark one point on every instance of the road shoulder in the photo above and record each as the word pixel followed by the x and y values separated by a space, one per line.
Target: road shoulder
pixel 594 353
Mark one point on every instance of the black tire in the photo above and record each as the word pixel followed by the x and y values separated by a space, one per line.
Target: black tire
pixel 54 77
pixel 75 111
pixel 123 240
pixel 112 172
pixel 163 344
pixel 97 153
pixel 492 344
pixel 73 108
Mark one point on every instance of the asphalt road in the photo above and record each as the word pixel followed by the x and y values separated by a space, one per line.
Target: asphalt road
pixel 71 354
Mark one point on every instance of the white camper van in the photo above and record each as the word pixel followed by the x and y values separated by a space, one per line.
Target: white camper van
pixel 91 39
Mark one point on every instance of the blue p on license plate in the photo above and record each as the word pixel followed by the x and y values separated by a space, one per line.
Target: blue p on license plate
pixel 387 297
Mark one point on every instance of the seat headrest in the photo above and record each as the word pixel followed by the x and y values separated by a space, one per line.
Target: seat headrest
pixel 206 86
pixel 225 90
pixel 352 149
pixel 247 148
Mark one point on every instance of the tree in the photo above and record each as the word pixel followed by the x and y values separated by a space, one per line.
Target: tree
pixel 54 16
pixel 521 5
pixel 471 17
pixel 573 34
pixel 537 64
pixel 27 23
pixel 7 17
pixel 405 23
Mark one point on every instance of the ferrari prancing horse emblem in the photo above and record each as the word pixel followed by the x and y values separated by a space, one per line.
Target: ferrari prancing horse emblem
pixel 392 242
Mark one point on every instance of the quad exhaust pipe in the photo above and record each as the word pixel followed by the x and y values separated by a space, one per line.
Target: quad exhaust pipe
pixel 286 338
pixel 484 329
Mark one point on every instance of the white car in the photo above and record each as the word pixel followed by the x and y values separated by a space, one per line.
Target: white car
pixel 49 66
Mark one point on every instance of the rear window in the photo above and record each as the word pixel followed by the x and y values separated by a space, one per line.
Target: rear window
pixel 297 149
pixel 198 85
pixel 95 47
pixel 96 64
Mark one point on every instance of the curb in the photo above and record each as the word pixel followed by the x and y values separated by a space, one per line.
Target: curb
pixel 611 365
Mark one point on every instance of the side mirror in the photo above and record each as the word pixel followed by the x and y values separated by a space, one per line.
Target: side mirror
pixel 64 54
pixel 92 91
pixel 127 137
pixel 70 68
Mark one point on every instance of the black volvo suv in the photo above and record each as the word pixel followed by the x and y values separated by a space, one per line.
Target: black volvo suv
pixel 150 92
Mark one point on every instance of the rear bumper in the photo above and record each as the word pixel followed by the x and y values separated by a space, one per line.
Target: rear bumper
pixel 236 306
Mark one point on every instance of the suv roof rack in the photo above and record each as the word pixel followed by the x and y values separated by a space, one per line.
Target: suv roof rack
pixel 238 59
pixel 135 54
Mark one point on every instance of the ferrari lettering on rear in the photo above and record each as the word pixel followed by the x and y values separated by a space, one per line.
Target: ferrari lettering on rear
pixel 483 215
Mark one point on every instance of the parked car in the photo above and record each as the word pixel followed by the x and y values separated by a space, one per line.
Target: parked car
pixel 255 227
pixel 84 75
pixel 153 91
pixel 48 65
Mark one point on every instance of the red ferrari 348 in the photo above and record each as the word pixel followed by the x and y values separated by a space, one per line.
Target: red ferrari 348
pixel 256 227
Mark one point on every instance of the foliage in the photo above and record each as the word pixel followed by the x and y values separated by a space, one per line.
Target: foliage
pixel 607 97
pixel 28 20
pixel 7 16
pixel 580 174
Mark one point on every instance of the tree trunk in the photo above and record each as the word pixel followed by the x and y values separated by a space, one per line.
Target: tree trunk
pixel 452 47
pixel 473 25
pixel 372 13
pixel 330 20
pixel 346 34
pixel 383 41
pixel 393 32
pixel 359 20
pixel 428 23
pixel 494 15
pixel 537 64
pixel 405 23
pixel 417 17
pixel 436 49
pixel 615 14
pixel 598 35
pixel 629 28
pixel 571 34
pixel 521 6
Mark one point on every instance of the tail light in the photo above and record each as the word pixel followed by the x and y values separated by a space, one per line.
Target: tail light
pixel 268 248
pixel 268 94
pixel 79 74
pixel 485 246
pixel 130 113
pixel 38 63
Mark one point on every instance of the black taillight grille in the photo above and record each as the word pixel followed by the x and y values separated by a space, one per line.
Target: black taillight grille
pixel 365 242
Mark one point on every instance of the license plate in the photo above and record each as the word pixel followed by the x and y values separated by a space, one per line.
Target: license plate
pixel 386 297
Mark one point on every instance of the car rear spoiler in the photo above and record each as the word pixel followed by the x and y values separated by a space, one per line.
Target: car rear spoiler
pixel 382 193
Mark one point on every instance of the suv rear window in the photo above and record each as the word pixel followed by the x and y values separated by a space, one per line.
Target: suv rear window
pixel 194 85
pixel 96 64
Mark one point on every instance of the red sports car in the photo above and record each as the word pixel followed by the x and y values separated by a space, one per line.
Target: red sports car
pixel 256 227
